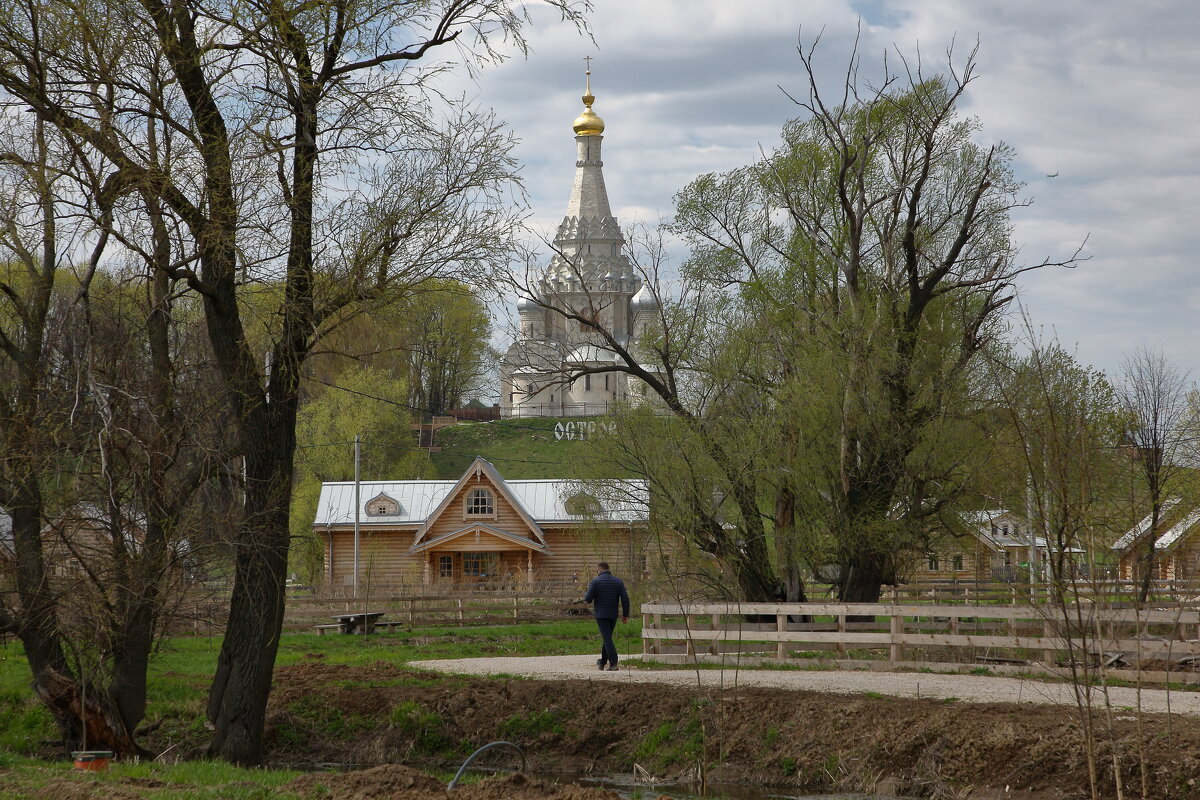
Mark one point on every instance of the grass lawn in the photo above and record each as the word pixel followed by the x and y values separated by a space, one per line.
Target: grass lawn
pixel 188 780
pixel 180 674
pixel 521 449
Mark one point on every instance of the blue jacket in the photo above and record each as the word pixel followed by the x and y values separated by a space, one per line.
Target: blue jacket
pixel 604 590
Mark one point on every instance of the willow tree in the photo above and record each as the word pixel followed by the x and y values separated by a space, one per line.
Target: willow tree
pixel 859 269
pixel 876 240
pixel 307 152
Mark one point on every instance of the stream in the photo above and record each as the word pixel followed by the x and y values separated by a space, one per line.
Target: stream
pixel 627 787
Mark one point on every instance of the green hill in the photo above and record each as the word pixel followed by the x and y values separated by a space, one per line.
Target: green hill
pixel 519 448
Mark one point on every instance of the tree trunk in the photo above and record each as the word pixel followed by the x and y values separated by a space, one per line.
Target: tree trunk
pixel 140 610
pixel 91 711
pixel 37 620
pixel 1148 559
pixel 240 689
pixel 787 554
pixel 861 581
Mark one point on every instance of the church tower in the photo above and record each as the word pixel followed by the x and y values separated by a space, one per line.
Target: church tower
pixel 588 277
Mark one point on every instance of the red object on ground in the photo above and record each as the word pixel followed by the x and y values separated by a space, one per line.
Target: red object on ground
pixel 92 760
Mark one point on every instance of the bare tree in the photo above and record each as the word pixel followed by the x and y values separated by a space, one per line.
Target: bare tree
pixel 1062 420
pixel 104 422
pixel 36 243
pixel 1160 433
pixel 306 160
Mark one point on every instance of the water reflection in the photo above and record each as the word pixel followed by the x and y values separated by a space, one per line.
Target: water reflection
pixel 626 787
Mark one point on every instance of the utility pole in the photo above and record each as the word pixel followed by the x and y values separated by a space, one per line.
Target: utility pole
pixel 1031 531
pixel 357 512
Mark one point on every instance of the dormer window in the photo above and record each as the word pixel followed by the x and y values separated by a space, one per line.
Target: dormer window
pixel 481 503
pixel 382 506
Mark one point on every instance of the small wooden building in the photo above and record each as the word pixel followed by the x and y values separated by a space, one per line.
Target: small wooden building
pixel 995 546
pixel 482 529
pixel 1176 545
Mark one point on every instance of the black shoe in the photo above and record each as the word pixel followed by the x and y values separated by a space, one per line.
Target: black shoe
pixel 600 664
pixel 611 668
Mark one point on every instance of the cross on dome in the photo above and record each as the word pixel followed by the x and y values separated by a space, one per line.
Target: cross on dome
pixel 588 123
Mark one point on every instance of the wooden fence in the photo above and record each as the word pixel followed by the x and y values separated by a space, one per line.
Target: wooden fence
pixel 1108 592
pixel 889 635
pixel 415 611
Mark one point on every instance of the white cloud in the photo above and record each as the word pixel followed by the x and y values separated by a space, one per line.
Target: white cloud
pixel 1106 94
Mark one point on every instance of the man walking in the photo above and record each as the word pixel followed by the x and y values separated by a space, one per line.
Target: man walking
pixel 604 591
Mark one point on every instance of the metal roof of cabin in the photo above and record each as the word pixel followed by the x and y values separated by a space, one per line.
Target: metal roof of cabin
pixel 545 500
pixel 1177 531
pixel 1138 531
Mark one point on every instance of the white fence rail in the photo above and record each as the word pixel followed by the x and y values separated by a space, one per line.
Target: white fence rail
pixel 890 634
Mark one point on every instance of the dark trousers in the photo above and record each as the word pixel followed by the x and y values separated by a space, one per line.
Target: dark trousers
pixel 608 651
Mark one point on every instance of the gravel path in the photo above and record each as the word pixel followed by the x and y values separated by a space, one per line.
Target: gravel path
pixel 968 688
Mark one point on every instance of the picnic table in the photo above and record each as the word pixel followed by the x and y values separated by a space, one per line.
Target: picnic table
pixel 358 622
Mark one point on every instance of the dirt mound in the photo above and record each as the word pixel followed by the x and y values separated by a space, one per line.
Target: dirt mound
pixel 397 782
pixel 78 789
pixel 799 740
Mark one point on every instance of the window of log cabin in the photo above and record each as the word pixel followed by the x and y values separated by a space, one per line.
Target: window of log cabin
pixel 382 505
pixel 933 562
pixel 480 565
pixel 957 563
pixel 445 566
pixel 480 503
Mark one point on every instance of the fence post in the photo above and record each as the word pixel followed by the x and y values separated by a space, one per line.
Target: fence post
pixel 412 610
pixel 781 626
pixel 460 612
pixel 1048 654
pixel 897 629
pixel 514 608
pixel 689 625
pixel 714 646
pixel 648 624
pixel 842 630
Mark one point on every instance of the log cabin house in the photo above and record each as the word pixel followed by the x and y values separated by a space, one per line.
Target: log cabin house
pixel 482 529
pixel 86 547
pixel 994 547
pixel 1176 546
pixel 81 535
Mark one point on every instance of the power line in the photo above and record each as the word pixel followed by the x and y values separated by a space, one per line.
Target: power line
pixel 498 458
pixel 419 408
pixel 423 450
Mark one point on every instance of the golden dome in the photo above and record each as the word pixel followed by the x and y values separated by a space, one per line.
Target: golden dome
pixel 588 123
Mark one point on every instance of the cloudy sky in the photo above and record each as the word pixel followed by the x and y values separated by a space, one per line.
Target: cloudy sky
pixel 1105 93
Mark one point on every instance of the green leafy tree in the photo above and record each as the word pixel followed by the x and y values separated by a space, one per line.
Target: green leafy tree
pixel 839 291
pixel 445 343
pixel 366 402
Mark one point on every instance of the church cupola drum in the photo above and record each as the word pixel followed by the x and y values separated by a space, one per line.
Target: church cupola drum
pixel 588 276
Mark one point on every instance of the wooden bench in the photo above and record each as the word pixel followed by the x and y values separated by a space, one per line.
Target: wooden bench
pixel 390 625
pixel 322 628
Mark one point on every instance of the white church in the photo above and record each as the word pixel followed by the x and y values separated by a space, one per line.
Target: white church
pixel 590 277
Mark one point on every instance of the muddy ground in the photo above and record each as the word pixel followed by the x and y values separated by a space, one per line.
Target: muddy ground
pixel 398 722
